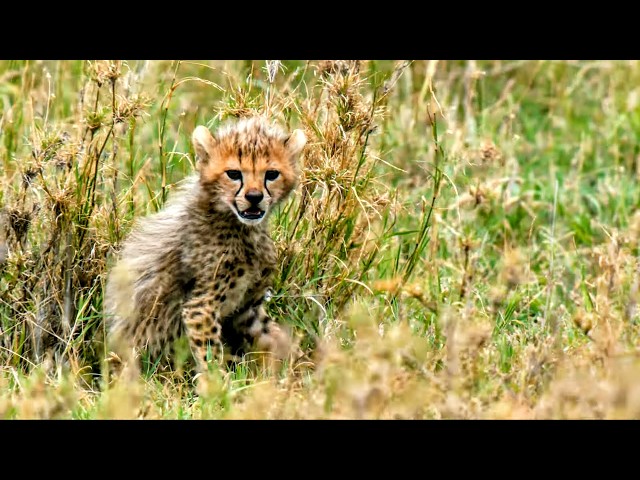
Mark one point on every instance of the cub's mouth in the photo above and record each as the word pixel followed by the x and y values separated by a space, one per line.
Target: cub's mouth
pixel 252 213
pixel 249 216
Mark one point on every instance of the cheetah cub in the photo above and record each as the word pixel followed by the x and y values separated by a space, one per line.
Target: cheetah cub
pixel 201 267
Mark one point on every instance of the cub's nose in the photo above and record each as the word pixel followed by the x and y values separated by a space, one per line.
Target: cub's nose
pixel 254 196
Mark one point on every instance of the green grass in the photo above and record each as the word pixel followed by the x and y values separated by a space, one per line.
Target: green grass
pixel 463 243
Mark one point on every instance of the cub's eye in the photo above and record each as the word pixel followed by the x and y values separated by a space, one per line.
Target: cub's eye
pixel 271 175
pixel 234 174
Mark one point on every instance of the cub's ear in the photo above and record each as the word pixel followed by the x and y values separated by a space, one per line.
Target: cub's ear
pixel 295 143
pixel 203 142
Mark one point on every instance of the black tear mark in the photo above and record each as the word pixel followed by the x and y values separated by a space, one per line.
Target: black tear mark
pixel 265 185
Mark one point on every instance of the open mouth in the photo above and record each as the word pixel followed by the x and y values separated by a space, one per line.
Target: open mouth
pixel 252 214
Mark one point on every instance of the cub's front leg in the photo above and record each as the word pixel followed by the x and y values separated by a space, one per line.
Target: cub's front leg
pixel 202 325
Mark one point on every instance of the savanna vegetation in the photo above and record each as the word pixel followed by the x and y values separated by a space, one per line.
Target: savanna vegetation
pixel 463 243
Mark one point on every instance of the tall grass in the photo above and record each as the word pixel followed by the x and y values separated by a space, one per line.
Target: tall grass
pixel 463 243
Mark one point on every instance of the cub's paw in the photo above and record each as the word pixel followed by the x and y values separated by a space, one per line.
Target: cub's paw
pixel 278 341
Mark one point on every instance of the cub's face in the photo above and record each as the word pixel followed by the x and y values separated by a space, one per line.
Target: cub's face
pixel 249 167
